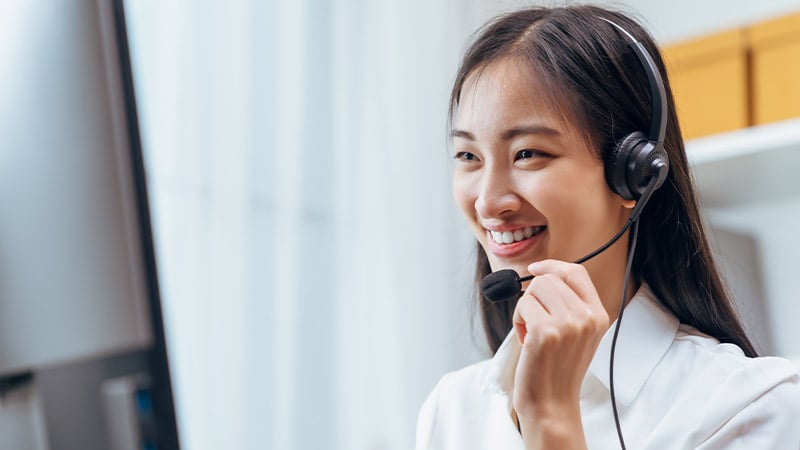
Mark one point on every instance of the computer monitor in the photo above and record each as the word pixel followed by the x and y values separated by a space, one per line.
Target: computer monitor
pixel 83 360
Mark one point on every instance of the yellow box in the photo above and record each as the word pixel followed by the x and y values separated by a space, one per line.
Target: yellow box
pixel 709 79
pixel 776 68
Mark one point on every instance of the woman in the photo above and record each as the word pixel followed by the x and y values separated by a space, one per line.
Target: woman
pixel 540 103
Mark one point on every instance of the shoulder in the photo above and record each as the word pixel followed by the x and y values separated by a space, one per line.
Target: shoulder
pixel 723 364
pixel 736 394
pixel 714 397
pixel 706 355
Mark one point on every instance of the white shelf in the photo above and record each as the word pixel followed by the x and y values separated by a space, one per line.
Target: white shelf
pixel 758 164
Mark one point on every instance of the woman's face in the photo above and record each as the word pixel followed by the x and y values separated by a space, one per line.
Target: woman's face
pixel 527 181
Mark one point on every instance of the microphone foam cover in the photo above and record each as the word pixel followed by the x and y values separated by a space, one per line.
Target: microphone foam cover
pixel 501 286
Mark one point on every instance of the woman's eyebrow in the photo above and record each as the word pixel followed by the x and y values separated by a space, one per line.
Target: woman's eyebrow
pixel 511 133
pixel 462 134
pixel 529 129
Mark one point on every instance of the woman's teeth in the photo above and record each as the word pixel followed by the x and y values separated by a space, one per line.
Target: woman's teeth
pixel 507 237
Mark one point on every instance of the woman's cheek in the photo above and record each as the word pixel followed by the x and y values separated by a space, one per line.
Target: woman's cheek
pixel 463 193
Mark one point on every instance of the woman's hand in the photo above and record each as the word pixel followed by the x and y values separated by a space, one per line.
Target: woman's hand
pixel 559 321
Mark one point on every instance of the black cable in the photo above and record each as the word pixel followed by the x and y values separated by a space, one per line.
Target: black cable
pixel 637 210
pixel 594 253
pixel 607 244
pixel 634 236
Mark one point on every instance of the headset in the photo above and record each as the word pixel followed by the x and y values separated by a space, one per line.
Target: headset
pixel 635 168
pixel 638 157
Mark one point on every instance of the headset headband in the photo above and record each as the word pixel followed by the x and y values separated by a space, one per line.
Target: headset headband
pixel 658 125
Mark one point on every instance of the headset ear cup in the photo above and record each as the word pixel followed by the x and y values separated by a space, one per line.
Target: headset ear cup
pixel 617 164
pixel 647 160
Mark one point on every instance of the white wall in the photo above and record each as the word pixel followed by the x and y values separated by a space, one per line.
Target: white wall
pixel 773 225
pixel 667 20
pixel 675 20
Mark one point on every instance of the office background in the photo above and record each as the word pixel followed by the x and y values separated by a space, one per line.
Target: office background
pixel 315 273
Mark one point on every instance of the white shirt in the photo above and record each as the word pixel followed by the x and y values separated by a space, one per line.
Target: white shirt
pixel 676 388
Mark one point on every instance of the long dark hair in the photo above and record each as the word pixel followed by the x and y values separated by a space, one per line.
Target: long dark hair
pixel 588 73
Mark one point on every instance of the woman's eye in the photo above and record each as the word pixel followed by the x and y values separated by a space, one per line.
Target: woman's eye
pixel 530 154
pixel 465 156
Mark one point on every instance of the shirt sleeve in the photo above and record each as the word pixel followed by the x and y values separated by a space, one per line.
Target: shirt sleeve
pixel 770 422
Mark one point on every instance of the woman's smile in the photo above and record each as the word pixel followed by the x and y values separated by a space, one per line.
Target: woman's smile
pixel 515 242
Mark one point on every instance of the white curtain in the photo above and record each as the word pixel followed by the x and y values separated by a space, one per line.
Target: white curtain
pixel 315 274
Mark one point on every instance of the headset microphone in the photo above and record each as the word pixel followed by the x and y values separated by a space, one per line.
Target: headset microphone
pixel 506 285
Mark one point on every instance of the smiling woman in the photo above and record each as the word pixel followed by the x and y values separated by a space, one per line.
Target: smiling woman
pixel 518 152
pixel 547 111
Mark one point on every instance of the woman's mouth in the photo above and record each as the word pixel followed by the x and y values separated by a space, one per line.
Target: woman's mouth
pixel 513 243
pixel 509 237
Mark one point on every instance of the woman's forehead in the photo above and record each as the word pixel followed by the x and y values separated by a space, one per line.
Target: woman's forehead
pixel 507 93
pixel 511 89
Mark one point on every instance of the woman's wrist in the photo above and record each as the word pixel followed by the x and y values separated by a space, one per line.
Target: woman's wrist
pixel 552 427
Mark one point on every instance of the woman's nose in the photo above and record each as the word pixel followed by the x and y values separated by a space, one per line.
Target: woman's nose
pixel 496 196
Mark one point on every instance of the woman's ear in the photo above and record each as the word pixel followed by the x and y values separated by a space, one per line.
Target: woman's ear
pixel 629 204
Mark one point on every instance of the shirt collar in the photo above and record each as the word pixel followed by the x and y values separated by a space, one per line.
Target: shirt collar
pixel 645 335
